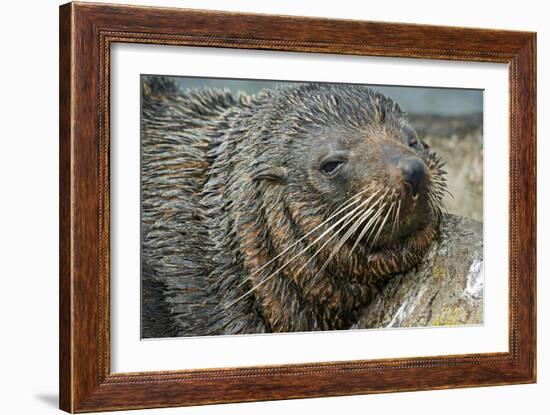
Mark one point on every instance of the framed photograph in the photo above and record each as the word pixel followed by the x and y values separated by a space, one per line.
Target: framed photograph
pixel 258 207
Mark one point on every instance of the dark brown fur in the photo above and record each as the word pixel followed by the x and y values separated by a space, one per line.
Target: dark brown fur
pixel 232 188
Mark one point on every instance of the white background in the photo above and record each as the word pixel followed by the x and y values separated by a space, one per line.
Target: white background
pixel 29 209
pixel 129 354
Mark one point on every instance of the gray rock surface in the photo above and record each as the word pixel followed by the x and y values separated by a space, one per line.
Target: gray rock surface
pixel 445 289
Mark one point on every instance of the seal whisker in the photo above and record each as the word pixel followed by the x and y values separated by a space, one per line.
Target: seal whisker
pixel 300 253
pixel 396 219
pixel 337 248
pixel 327 242
pixel 344 206
pixel 364 214
pixel 383 223
pixel 295 257
pixel 368 225
pixel 440 190
pixel 373 224
pixel 436 204
pixel 350 232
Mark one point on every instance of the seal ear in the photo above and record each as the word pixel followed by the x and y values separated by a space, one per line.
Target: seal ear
pixel 275 174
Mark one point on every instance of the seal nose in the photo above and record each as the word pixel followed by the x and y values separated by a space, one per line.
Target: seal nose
pixel 413 172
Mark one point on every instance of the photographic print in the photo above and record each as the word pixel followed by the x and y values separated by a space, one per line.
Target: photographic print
pixel 273 206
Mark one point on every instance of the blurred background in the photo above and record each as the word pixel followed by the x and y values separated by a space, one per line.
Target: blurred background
pixel 449 120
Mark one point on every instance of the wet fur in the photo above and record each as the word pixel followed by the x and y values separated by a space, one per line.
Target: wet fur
pixel 224 190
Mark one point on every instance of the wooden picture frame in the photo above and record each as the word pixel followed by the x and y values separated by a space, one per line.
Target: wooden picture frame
pixel 86 33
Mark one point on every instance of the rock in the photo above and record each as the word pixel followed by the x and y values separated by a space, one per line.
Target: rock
pixel 445 289
pixel 459 141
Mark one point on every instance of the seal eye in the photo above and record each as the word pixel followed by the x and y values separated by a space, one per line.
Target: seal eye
pixel 409 136
pixel 330 167
pixel 413 141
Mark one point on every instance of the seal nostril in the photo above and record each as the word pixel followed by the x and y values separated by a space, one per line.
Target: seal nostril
pixel 413 172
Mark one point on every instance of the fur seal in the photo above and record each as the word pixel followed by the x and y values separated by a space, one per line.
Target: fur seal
pixel 282 211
